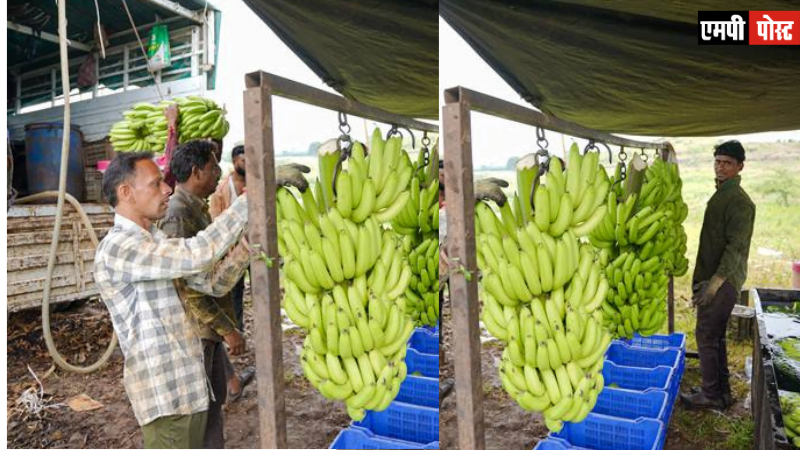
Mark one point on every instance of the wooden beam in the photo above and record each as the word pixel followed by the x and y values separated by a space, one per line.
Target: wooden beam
pixel 511 111
pixel 45 36
pixel 317 97
pixel 177 9
pixel 265 284
pixel 460 204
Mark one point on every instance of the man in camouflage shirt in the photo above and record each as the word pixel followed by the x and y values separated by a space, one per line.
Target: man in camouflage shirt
pixel 719 273
pixel 196 170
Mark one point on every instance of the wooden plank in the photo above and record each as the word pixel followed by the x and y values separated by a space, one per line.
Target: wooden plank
pixel 265 284
pixel 317 97
pixel 458 172
pixel 511 111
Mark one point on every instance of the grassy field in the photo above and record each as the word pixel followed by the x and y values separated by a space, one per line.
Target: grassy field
pixel 771 179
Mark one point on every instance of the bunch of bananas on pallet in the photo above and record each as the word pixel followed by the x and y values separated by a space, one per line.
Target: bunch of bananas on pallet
pixel 145 126
pixel 346 276
pixel 644 235
pixel 419 223
pixel 790 406
pixel 542 288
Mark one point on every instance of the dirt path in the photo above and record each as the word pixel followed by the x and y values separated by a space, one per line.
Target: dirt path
pixel 82 332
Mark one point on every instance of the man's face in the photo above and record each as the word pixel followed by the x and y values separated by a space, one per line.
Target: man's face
pixel 726 167
pixel 147 192
pixel 208 176
pixel 238 164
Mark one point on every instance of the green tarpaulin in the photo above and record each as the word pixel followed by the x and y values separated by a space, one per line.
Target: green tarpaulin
pixel 383 53
pixel 634 67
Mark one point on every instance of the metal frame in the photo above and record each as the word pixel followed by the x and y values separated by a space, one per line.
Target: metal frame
pixel 458 173
pixel 260 160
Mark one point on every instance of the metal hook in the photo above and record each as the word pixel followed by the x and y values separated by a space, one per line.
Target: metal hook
pixel 644 155
pixel 344 156
pixel 541 139
pixel 395 130
pixel 543 168
pixel 592 145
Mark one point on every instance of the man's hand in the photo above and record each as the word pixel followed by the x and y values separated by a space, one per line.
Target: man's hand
pixel 236 343
pixel 171 113
pixel 707 291
pixel 490 189
pixel 292 175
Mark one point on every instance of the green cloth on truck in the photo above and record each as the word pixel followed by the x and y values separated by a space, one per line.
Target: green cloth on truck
pixel 725 237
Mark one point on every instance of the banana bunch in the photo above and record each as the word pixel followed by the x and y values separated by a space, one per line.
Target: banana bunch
pixel 421 213
pixel 422 295
pixel 419 223
pixel 200 118
pixel 790 406
pixel 144 128
pixel 346 277
pixel 646 240
pixel 542 289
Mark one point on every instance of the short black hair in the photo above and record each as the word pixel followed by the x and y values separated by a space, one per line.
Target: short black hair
pixel 120 170
pixel 188 155
pixel 238 150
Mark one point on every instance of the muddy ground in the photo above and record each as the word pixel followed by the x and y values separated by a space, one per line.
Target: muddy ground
pixel 508 427
pixel 81 332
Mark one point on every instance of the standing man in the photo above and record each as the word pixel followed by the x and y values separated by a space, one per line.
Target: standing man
pixel 196 170
pixel 135 267
pixel 719 274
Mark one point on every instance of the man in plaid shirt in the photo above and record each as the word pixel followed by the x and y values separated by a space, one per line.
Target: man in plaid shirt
pixel 135 268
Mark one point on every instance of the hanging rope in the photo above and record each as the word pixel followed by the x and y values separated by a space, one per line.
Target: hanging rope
pixel 141 46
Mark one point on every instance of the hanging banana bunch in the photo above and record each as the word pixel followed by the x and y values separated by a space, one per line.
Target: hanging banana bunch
pixel 542 287
pixel 419 223
pixel 345 275
pixel 647 242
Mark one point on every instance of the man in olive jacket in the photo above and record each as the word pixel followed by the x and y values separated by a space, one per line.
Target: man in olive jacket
pixel 719 274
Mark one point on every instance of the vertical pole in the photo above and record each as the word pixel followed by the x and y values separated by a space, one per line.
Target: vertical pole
pixel 460 206
pixel 195 51
pixel 126 56
pixel 53 87
pixel 18 102
pixel 671 306
pixel 265 286
pixel 96 74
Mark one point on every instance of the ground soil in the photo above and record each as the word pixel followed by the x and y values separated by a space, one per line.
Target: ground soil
pixel 81 332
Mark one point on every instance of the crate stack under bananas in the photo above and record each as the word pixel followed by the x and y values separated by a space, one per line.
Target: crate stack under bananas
pixel 145 126
pixel 645 236
pixel 419 223
pixel 345 276
pixel 542 287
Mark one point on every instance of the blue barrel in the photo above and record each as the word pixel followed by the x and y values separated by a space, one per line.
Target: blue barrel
pixel 43 158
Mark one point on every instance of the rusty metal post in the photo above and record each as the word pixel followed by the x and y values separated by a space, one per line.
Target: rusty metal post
pixel 265 285
pixel 463 292
pixel 671 306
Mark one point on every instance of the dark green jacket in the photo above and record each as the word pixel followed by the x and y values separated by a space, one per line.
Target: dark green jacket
pixel 725 237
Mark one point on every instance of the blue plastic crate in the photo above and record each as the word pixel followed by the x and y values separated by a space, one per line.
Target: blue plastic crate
pixel 599 432
pixel 638 378
pixel 674 341
pixel 553 444
pixel 625 355
pixel 420 391
pixel 359 438
pixel 424 341
pixel 427 364
pixel 629 404
pixel 404 421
